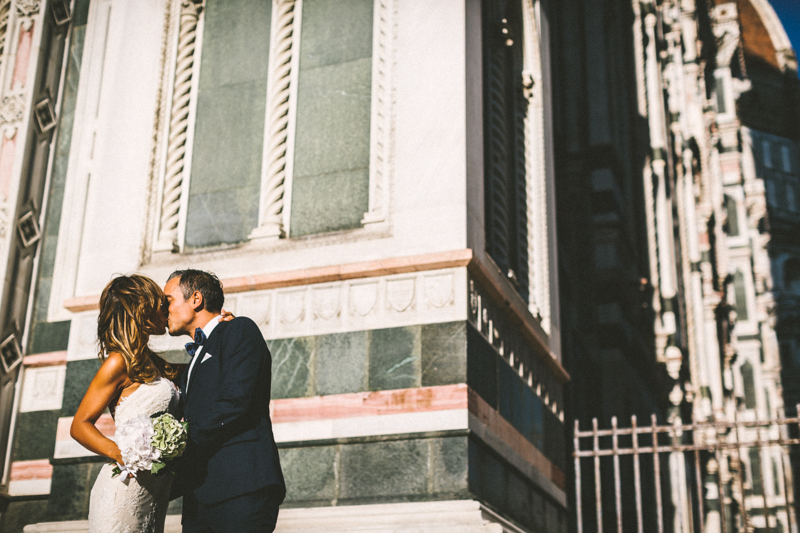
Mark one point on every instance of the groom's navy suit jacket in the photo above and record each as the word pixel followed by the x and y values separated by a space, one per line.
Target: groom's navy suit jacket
pixel 231 450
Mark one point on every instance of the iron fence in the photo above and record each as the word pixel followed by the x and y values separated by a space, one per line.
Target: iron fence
pixel 705 477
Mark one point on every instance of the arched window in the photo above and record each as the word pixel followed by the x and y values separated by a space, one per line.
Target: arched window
pixel 749 385
pixel 733 216
pixel 756 475
pixel 740 294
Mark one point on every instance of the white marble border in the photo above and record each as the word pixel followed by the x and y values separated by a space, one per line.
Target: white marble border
pixel 367 426
pixel 455 516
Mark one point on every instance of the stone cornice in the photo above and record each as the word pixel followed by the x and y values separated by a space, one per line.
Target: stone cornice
pixel 291 278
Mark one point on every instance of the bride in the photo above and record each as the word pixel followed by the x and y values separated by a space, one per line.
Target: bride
pixel 133 381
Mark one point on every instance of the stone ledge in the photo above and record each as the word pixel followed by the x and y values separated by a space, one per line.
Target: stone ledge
pixel 460 516
pixel 310 276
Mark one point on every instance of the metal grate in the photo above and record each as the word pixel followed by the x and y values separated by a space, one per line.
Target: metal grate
pixel 715 473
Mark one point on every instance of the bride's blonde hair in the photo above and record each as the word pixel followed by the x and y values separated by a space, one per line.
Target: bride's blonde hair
pixel 127 309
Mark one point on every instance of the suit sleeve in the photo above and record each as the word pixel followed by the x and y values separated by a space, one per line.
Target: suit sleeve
pixel 245 355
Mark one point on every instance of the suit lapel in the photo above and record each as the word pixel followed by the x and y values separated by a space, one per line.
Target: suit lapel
pixel 183 382
pixel 210 346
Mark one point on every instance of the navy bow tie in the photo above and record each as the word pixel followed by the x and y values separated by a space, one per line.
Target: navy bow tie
pixel 199 339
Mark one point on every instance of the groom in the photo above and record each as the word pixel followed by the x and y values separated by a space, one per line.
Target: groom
pixel 230 475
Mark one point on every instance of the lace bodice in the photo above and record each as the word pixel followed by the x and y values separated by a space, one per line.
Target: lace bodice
pixel 160 395
pixel 136 505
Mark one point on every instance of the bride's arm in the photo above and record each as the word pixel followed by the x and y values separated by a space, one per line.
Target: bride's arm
pixel 106 385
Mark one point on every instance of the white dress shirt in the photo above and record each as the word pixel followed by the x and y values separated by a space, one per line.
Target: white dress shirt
pixel 207 329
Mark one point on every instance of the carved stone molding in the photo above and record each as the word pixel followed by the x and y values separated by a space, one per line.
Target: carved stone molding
pixel 535 172
pixel 356 305
pixel 382 123
pixel 726 30
pixel 279 91
pixel 503 335
pixel 26 8
pixel 12 109
pixel 178 126
pixel 5 13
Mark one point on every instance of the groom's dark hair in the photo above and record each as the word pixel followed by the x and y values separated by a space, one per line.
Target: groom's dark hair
pixel 205 283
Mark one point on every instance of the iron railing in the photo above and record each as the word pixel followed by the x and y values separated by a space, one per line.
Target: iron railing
pixel 714 486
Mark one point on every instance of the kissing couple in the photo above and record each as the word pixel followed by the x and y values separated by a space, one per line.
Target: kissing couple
pixel 222 459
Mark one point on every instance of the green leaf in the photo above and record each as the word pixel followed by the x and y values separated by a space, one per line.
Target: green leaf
pixel 157 467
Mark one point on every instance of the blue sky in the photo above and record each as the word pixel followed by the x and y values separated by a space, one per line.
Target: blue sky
pixel 789 13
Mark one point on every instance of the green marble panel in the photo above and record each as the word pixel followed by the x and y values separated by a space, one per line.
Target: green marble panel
pixel 449 463
pixel 80 13
pixel 444 354
pixel 331 163
pixel 43 289
pixel 394 358
pixel 292 361
pixel 394 469
pixel 335 31
pixel 331 202
pixel 538 510
pixel 35 435
pixel 341 361
pixel 175 506
pixel 221 217
pixel 309 473
pixel 487 474
pixel 519 498
pixel 70 490
pixel 236 37
pixel 333 116
pixel 482 364
pixel 15 515
pixel 49 337
pixel 79 375
pixel 229 131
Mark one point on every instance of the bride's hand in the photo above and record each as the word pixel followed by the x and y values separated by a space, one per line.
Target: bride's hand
pixel 226 316
pixel 117 457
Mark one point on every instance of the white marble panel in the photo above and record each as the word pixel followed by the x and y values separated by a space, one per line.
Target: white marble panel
pixel 83 337
pixel 29 487
pixel 43 388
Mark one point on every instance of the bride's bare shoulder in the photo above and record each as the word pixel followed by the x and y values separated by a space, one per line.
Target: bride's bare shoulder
pixel 113 368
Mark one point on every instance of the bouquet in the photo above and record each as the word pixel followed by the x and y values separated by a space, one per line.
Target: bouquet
pixel 148 443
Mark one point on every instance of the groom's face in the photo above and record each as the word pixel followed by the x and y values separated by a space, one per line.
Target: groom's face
pixel 181 312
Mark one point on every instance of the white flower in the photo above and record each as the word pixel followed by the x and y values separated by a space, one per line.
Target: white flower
pixel 134 438
pixel 148 444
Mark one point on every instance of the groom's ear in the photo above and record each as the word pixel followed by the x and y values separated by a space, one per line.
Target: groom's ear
pixel 197 301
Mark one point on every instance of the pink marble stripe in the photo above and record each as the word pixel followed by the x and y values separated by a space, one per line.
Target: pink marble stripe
pixel 23 57
pixel 28 470
pixel 358 404
pixel 105 424
pixel 509 434
pixel 368 269
pixel 7 153
pixel 45 359
pixel 384 267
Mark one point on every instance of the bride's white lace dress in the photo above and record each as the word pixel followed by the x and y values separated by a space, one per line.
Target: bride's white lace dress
pixel 140 504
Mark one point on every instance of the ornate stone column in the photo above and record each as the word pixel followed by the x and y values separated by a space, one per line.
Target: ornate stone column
pixel 178 126
pixel 282 63
pixel 381 124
